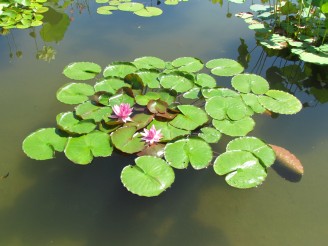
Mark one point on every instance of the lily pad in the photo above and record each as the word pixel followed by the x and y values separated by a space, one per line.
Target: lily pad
pixel 42 144
pixel 110 85
pixel 119 69
pixel 222 92
pixel 168 131
pixel 192 93
pixel 191 117
pixel 149 12
pixel 140 120
pixel 204 80
pixel 280 102
pixel 252 101
pixel 119 99
pixel 149 77
pixel 226 108
pixel 69 122
pixel 81 150
pixel 126 141
pixel 130 6
pixel 188 64
pixel 74 93
pixel 149 62
pixel 194 150
pixel 88 110
pixel 247 83
pixel 224 67
pixel 210 134
pixel 82 70
pixel 177 82
pixel 149 177
pixel 235 128
pixel 256 146
pixel 144 99
pixel 243 169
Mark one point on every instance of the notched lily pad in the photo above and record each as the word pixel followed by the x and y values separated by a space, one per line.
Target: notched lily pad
pixel 224 67
pixel 149 177
pixel 74 93
pixel 42 144
pixel 82 70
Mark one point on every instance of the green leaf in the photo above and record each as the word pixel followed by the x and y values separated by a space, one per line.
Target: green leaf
pixel 175 154
pixel 226 108
pixel 125 140
pixel 69 122
pixel 82 70
pixel 149 62
pixel 243 169
pixel 119 69
pixel 149 12
pixel 81 150
pixel 191 117
pixel 204 80
pixel 144 99
pixel 224 67
pixel 222 92
pixel 210 135
pixel 280 102
pixel 157 106
pixel 88 110
pixel 106 10
pixel 256 146
pixel 252 101
pixel 149 77
pixel 111 85
pixel 168 131
pixel 132 7
pixel 156 150
pixel 193 150
pixel 74 93
pixel 119 99
pixel 149 177
pixel 234 128
pixel 188 64
pixel 247 83
pixel 193 93
pixel 140 120
pixel 176 81
pixel 42 144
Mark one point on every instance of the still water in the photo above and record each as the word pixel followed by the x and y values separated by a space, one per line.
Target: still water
pixel 58 203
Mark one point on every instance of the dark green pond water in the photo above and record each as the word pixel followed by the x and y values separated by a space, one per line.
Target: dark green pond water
pixel 58 203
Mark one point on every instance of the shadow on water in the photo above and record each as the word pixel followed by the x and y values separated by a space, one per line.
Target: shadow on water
pixel 87 205
pixel 286 173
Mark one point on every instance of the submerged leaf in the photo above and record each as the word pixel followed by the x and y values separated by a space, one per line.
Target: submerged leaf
pixel 288 160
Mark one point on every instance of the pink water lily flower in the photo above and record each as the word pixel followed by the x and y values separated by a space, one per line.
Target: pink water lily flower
pixel 122 112
pixel 152 135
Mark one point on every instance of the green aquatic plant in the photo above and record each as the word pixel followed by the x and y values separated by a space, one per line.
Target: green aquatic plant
pixel 300 26
pixel 21 13
pixel 170 114
pixel 136 8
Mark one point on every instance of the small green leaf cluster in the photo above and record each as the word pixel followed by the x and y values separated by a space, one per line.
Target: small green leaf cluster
pixel 181 99
pixel 21 14
pixel 299 26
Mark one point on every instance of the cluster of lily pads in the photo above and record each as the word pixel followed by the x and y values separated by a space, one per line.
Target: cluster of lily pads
pixel 135 7
pixel 21 13
pixel 167 113
pixel 300 26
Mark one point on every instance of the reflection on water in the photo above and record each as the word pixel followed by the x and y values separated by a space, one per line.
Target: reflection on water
pixel 58 203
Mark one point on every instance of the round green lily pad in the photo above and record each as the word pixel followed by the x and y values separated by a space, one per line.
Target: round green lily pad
pixel 69 122
pixel 81 150
pixel 210 134
pixel 247 83
pixel 130 6
pixel 188 64
pixel 224 67
pixel 42 144
pixel 191 117
pixel 149 62
pixel 149 12
pixel 74 93
pixel 125 140
pixel 235 128
pixel 256 146
pixel 242 168
pixel 177 82
pixel 280 102
pixel 82 70
pixel 149 177
pixel 119 69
